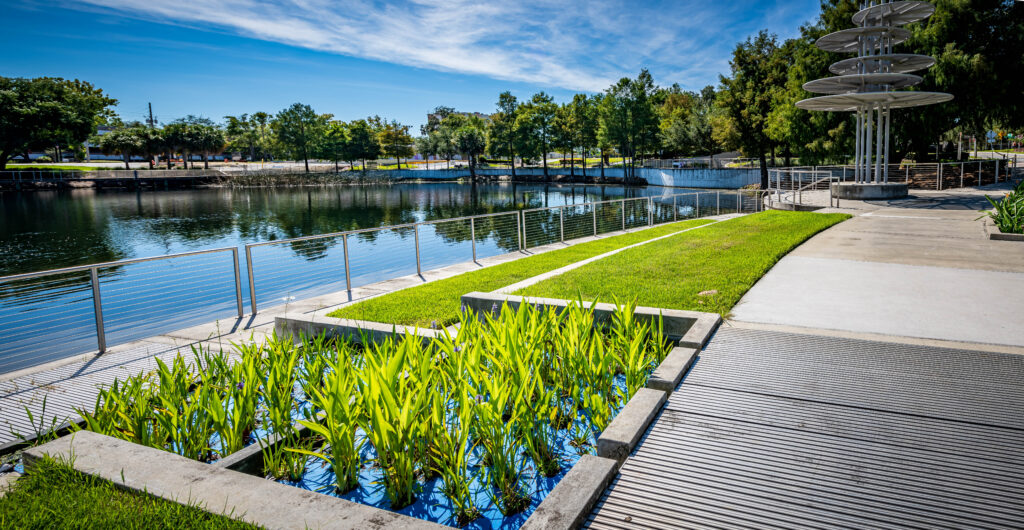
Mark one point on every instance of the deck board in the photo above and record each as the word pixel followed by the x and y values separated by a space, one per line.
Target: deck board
pixel 783 430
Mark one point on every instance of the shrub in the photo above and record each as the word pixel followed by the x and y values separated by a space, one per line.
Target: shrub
pixel 1008 213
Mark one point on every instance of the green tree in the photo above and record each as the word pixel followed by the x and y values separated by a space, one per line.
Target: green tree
pixel 363 144
pixel 501 131
pixel 435 118
pixel 536 121
pixel 335 145
pixel 127 142
pixel 47 112
pixel 299 129
pixel 395 140
pixel 471 140
pixel 746 98
pixel 209 140
pixel 628 119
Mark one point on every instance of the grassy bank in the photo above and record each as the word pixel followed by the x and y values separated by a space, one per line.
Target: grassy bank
pixel 56 496
pixel 721 261
pixel 439 301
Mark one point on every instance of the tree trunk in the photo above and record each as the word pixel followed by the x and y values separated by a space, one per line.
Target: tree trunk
pixel 572 164
pixel 305 158
pixel 764 171
pixel 602 163
pixel 336 170
pixel 512 160
pixel 125 156
pixel 544 155
pixel 206 161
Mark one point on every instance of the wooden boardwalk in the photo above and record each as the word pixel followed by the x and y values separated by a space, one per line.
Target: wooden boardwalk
pixel 784 430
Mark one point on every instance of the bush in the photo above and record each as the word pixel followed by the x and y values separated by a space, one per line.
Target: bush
pixel 43 159
pixel 1008 214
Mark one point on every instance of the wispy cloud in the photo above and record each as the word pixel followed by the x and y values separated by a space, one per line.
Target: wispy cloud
pixel 572 45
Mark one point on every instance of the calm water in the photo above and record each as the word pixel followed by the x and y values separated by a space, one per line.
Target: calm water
pixel 52 317
pixel 50 230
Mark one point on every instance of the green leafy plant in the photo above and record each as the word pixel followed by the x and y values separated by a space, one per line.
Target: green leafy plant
pixel 1008 213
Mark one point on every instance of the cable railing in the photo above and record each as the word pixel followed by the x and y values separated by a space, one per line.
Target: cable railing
pixel 52 315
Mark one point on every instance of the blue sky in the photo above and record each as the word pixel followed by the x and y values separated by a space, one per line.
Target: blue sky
pixel 352 59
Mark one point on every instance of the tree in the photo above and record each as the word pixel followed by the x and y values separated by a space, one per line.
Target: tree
pixel 471 140
pixel 47 112
pixel 127 142
pixel 435 118
pixel 746 98
pixel 209 139
pixel 335 145
pixel 537 120
pixel 395 140
pixel 300 130
pixel 243 133
pixel 501 132
pixel 426 145
pixel 363 142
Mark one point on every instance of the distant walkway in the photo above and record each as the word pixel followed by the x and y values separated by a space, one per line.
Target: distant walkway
pixel 922 267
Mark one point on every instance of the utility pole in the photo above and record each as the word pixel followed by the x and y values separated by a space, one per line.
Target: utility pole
pixel 151 121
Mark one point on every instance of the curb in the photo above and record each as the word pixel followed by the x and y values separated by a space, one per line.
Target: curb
pixel 619 439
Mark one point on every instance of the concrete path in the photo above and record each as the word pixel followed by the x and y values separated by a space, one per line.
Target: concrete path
pixel 922 267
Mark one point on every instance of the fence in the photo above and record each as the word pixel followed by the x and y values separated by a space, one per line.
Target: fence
pixel 51 315
pixel 786 183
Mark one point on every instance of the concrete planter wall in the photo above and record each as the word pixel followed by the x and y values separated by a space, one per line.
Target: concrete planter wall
pixel 221 488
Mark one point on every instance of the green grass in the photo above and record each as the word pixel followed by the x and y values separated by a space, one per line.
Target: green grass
pixel 439 301
pixel 56 496
pixel 727 257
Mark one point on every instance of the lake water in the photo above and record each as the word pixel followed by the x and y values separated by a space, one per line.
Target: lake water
pixel 51 317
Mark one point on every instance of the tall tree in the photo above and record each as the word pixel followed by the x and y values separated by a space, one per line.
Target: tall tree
pixel 471 140
pixel 395 140
pixel 335 143
pixel 746 98
pixel 501 133
pixel 537 119
pixel 300 129
pixel 46 112
pixel 363 144
pixel 127 142
pixel 435 118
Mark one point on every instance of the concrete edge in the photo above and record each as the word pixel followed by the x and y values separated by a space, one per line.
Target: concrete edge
pixel 619 439
pixel 667 376
pixel 1000 236
pixel 355 330
pixel 230 493
pixel 569 504
pixel 692 328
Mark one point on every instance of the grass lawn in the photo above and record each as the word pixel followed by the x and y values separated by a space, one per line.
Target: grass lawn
pixel 726 258
pixel 56 496
pixel 439 301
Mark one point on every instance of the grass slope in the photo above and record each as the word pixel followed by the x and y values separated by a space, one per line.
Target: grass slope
pixel 56 496
pixel 727 257
pixel 439 302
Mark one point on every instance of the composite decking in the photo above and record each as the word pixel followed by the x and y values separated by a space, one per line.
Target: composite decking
pixel 785 430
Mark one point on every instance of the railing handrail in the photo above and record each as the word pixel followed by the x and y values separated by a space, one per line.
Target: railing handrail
pixel 103 265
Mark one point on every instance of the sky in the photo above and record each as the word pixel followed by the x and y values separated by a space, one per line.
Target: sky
pixel 353 59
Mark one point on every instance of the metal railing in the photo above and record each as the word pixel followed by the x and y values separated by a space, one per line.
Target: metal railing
pixel 55 314
pixel 52 314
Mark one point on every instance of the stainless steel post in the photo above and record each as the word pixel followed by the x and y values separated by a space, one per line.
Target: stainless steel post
pixel 697 207
pixel 997 171
pixel 97 310
pixel 623 214
pixel 979 173
pixel 594 211
pixel 348 274
pixel 238 281
pixel 718 203
pixel 252 281
pixel 739 202
pixel 561 224
pixel 907 178
pixel 520 227
pixel 938 177
pixel 961 174
pixel 416 237
pixel 675 210
pixel 472 235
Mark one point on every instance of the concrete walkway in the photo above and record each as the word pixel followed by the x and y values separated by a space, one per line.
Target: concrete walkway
pixel 923 267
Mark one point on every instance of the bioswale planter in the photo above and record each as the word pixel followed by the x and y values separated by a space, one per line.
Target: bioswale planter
pixel 572 499
pixel 221 488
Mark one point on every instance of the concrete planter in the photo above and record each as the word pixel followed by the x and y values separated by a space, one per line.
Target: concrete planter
pixel 226 488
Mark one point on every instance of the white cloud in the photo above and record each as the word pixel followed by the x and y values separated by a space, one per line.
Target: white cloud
pixel 574 45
